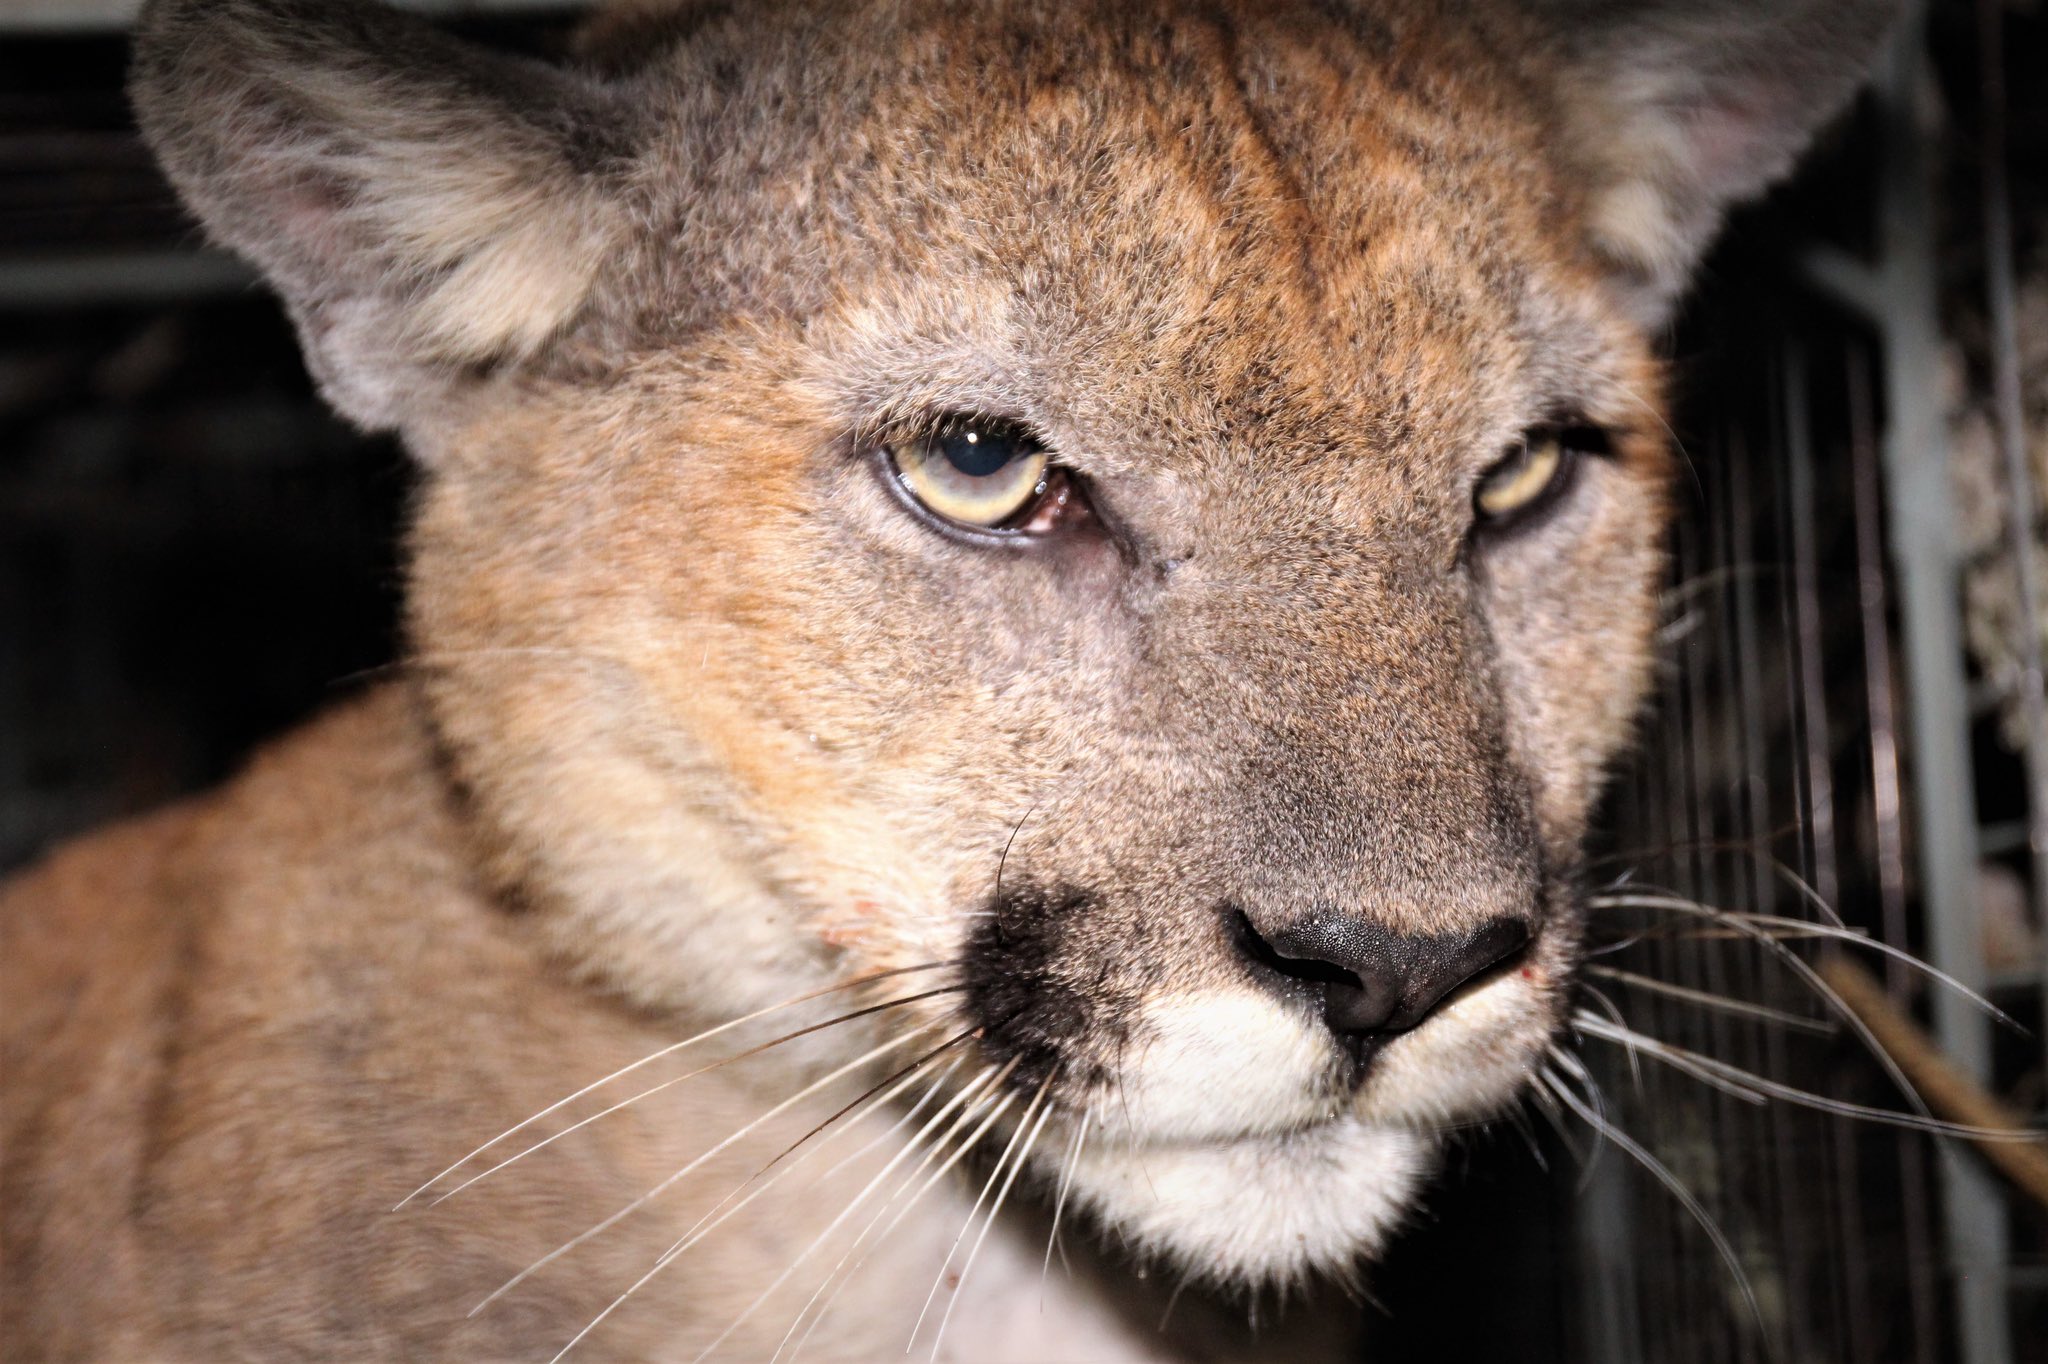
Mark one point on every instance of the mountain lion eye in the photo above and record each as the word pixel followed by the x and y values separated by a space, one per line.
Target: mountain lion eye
pixel 982 474
pixel 1535 472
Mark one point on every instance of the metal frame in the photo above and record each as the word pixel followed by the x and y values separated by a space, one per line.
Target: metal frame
pixel 1898 297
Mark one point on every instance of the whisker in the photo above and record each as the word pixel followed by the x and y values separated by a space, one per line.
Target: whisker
pixel 1734 1088
pixel 1576 1069
pixel 1609 948
pixel 670 1182
pixel 662 1262
pixel 1059 1204
pixel 987 1184
pixel 932 1091
pixel 1711 1069
pixel 873 1097
pixel 1546 1104
pixel 441 658
pixel 1517 1118
pixel 672 1082
pixel 833 1280
pixel 1672 1185
pixel 1741 1007
pixel 995 1209
pixel 1173 1301
pixel 1744 847
pixel 1826 993
pixel 1635 1068
pixel 1000 1104
pixel 1808 928
pixel 979 1109
pixel 1004 860
pixel 670 1050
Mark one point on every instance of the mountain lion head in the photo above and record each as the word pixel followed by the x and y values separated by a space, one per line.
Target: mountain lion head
pixel 1149 514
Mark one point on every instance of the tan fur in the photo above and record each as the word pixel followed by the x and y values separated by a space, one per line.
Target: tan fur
pixel 700 717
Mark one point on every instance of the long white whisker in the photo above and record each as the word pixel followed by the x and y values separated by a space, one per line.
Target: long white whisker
pixel 979 1199
pixel 1763 1013
pixel 1546 1104
pixel 726 1208
pixel 1635 1068
pixel 665 1185
pixel 669 1050
pixel 1734 1088
pixel 910 1116
pixel 1806 928
pixel 829 1287
pixel 1576 1069
pixel 672 1082
pixel 1738 1080
pixel 1807 892
pixel 1002 1103
pixel 1059 1202
pixel 1827 993
pixel 996 1208
pixel 663 1261
pixel 1746 848
pixel 1672 1184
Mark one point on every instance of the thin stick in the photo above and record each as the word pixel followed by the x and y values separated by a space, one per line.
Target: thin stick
pixel 1948 1090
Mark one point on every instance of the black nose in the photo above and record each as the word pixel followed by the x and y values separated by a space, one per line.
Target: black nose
pixel 1375 983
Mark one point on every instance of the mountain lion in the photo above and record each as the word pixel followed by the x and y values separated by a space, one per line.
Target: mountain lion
pixel 1062 577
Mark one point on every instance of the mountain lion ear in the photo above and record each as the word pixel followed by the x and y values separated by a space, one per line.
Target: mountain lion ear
pixel 1679 108
pixel 426 209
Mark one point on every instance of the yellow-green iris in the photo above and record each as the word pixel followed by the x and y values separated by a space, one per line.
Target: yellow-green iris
pixel 1520 481
pixel 980 474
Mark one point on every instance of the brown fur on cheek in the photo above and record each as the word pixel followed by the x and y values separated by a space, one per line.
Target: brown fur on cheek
pixel 1566 607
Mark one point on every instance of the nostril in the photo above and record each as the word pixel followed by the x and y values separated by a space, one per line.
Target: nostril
pixel 1362 1006
pixel 1491 946
pixel 1372 982
pixel 1286 967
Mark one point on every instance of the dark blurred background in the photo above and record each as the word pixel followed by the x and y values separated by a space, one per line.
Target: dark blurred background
pixel 193 555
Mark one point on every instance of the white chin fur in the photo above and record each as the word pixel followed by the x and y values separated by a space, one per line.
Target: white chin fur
pixel 1220 1065
pixel 1226 1149
pixel 1225 1065
pixel 1264 1210
pixel 1468 1061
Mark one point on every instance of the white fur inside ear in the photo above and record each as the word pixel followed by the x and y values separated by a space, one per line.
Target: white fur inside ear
pixel 423 206
pixel 1274 1210
pixel 504 247
pixel 1680 108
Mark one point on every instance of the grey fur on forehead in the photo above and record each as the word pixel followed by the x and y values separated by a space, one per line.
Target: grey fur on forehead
pixel 432 212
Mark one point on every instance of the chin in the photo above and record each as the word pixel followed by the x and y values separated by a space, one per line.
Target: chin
pixel 1326 1180
pixel 1260 1211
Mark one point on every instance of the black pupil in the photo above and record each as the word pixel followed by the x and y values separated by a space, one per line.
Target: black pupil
pixel 978 452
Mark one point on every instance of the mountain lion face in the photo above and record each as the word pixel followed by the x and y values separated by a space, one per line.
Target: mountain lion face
pixel 1151 512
